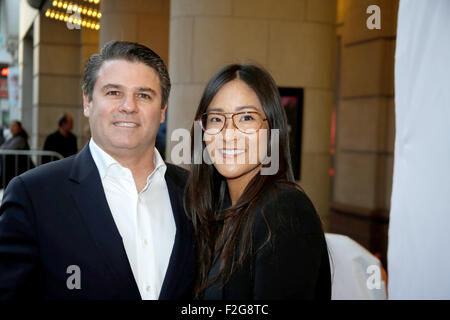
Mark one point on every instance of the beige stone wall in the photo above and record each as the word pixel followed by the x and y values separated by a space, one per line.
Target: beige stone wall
pixel 143 21
pixel 58 55
pixel 89 45
pixel 25 61
pixel 57 77
pixel 294 39
pixel 27 17
pixel 365 111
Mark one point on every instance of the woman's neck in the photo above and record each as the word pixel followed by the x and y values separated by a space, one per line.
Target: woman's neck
pixel 236 186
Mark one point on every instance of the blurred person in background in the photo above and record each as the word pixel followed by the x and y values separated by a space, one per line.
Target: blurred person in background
pixel 62 140
pixel 2 136
pixel 12 165
pixel 18 139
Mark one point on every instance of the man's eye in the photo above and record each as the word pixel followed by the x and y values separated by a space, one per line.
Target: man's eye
pixel 144 96
pixel 113 93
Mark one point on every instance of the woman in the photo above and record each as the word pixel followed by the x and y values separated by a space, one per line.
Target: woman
pixel 258 235
pixel 12 165
pixel 19 138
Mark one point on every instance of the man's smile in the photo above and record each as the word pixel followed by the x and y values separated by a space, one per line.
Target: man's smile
pixel 126 124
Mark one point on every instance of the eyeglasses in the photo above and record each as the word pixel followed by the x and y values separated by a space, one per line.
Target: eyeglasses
pixel 246 122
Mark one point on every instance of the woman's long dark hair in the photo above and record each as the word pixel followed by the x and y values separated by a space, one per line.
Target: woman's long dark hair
pixel 22 131
pixel 221 233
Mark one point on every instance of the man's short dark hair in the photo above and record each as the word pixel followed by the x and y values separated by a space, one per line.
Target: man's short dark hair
pixel 129 51
pixel 62 120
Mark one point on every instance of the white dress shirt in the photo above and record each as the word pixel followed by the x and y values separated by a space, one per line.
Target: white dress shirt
pixel 144 220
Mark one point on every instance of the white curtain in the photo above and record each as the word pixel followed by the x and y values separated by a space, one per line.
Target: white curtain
pixel 349 262
pixel 419 233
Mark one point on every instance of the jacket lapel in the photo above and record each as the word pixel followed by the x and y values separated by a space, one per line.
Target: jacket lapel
pixel 181 248
pixel 90 200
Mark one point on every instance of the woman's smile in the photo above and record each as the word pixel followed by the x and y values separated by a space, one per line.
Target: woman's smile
pixel 230 153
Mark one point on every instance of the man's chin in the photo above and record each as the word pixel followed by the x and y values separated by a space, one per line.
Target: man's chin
pixel 125 147
pixel 130 146
pixel 124 143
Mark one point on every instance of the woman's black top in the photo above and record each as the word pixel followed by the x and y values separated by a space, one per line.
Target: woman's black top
pixel 294 264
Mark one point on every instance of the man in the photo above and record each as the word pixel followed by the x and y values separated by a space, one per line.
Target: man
pixel 62 140
pixel 109 222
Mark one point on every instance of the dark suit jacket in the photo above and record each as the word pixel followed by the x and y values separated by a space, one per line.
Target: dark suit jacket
pixel 293 265
pixel 65 146
pixel 57 215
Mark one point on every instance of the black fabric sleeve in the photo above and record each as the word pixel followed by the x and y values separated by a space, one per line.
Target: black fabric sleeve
pixel 48 146
pixel 74 145
pixel 18 244
pixel 294 263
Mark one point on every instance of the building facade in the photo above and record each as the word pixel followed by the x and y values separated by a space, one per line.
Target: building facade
pixel 323 47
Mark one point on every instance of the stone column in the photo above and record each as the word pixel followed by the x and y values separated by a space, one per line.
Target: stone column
pixel 143 21
pixel 365 124
pixel 294 39
pixel 26 83
pixel 56 76
pixel 88 46
pixel 51 59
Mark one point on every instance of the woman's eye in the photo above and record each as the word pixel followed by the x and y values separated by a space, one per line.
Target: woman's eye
pixel 215 119
pixel 247 117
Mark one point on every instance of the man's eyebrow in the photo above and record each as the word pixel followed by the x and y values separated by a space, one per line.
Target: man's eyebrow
pixel 240 108
pixel 144 89
pixel 111 86
pixel 118 86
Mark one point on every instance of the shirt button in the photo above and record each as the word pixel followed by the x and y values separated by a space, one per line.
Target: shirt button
pixel 147 288
pixel 145 242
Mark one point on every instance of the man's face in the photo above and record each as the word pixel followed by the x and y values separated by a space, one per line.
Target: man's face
pixel 125 111
pixel 68 126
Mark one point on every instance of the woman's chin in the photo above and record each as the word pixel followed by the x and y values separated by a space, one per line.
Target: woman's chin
pixel 233 171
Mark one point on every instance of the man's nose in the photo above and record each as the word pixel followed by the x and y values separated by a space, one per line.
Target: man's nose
pixel 128 104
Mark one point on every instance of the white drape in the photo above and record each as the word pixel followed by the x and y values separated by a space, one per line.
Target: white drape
pixel 419 234
pixel 349 262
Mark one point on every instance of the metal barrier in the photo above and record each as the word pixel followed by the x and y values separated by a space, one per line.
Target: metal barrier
pixel 16 162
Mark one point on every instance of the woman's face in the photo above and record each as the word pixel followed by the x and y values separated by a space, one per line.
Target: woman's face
pixel 14 128
pixel 236 154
